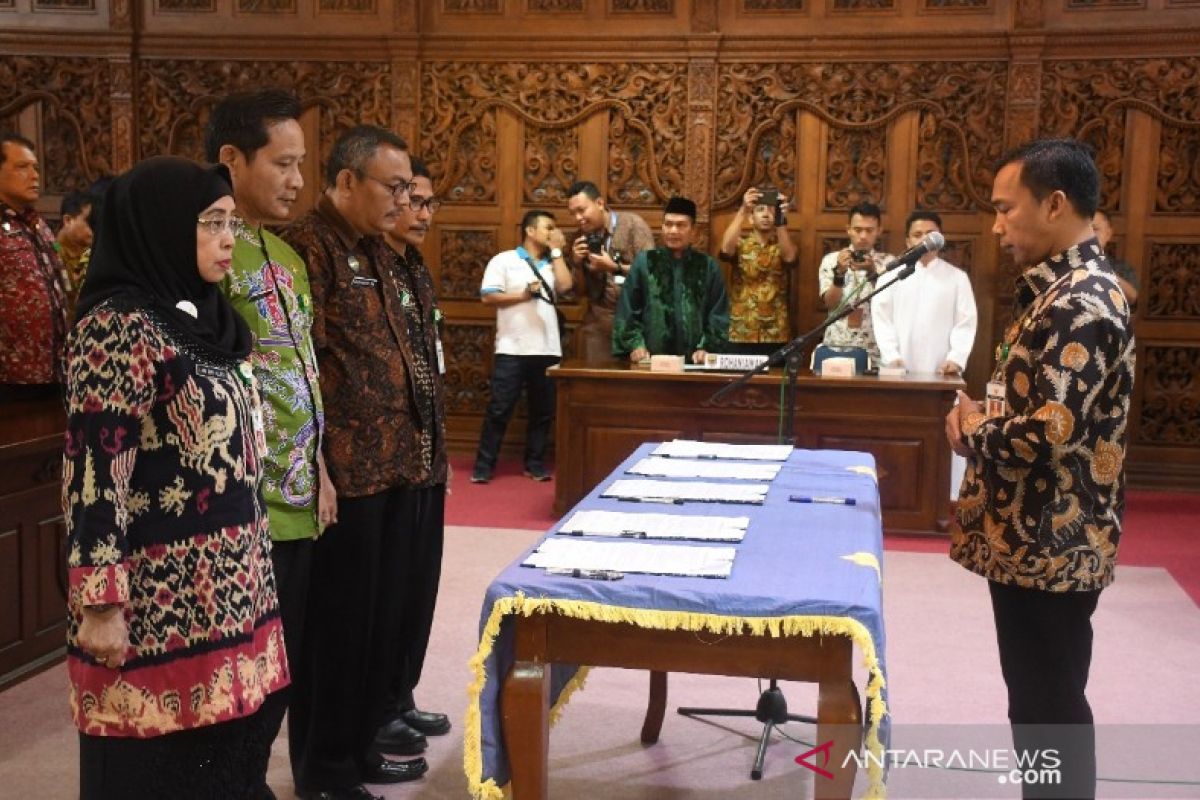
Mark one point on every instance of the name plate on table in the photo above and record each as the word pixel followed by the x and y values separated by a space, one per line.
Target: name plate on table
pixel 728 362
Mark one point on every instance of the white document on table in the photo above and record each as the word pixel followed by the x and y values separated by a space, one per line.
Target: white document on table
pixel 677 492
pixel 633 557
pixel 688 448
pixel 704 468
pixel 632 525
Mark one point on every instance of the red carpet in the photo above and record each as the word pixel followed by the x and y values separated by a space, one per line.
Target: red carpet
pixel 1160 528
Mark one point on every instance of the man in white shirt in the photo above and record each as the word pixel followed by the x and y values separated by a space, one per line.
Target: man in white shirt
pixel 926 323
pixel 523 284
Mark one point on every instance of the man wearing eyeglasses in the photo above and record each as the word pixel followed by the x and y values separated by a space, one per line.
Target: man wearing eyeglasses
pixel 382 440
pixel 406 726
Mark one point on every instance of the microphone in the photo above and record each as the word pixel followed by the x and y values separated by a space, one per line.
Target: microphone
pixel 932 241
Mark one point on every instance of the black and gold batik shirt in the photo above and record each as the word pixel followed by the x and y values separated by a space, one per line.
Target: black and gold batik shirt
pixel 1041 504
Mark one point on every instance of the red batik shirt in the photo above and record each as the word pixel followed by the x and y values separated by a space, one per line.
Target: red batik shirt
pixel 33 301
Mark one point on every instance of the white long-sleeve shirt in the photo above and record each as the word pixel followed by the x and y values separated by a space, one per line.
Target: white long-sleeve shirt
pixel 926 319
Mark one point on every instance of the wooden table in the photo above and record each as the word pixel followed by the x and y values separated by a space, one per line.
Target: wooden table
pixel 606 410
pixel 545 638
pixel 804 598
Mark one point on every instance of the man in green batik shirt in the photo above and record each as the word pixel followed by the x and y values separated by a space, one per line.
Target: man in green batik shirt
pixel 257 136
pixel 674 301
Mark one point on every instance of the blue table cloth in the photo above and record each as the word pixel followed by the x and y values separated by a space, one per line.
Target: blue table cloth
pixel 803 569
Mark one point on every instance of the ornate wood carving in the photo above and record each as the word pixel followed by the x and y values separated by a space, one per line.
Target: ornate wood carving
pixel 551 164
pixel 704 16
pixel 65 5
pixel 1088 100
pixel 1170 383
pixel 346 6
pixel 956 5
pixel 1103 5
pixel 123 118
pixel 405 83
pixel 469 351
pixel 857 161
pixel 641 6
pixel 555 5
pixel 185 5
pixel 862 5
pixel 464 254
pixel 1173 281
pixel 471 6
pixel 1028 14
pixel 176 96
pixel 772 5
pixel 266 6
pixel 120 15
pixel 960 252
pixel 458 102
pixel 630 172
pixel 702 80
pixel 75 115
pixel 963 99
pixel 1178 190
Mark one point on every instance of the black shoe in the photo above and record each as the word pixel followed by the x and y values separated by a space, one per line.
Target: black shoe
pixel 537 473
pixel 357 793
pixel 429 723
pixel 481 475
pixel 398 739
pixel 396 771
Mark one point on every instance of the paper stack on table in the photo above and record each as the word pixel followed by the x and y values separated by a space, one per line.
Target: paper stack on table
pixel 632 557
pixel 633 525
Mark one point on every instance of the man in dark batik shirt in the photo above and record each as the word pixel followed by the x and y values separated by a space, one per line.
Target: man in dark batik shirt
pixel 674 301
pixel 1039 512
pixel 381 447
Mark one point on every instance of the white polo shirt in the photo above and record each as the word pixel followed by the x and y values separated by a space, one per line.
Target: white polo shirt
pixel 529 328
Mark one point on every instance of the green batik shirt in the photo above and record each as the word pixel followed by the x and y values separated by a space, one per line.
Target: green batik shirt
pixel 672 306
pixel 268 285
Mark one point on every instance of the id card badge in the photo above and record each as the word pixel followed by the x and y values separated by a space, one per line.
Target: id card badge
pixel 441 356
pixel 994 405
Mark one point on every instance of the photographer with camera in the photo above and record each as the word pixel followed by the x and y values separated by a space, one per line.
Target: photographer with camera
pixel 763 261
pixel 602 254
pixel 842 274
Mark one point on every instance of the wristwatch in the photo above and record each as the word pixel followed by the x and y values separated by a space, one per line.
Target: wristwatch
pixel 555 253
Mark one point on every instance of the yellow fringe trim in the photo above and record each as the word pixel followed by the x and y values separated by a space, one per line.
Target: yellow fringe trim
pixel 663 620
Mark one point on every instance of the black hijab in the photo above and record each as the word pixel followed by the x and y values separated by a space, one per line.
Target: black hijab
pixel 145 254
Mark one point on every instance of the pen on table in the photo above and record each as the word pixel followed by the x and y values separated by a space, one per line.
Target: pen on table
pixel 837 501
pixel 591 574
pixel 675 501
pixel 632 534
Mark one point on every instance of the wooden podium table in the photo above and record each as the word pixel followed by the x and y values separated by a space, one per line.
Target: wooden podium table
pixel 606 410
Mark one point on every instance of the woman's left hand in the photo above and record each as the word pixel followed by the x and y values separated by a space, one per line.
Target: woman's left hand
pixel 104 634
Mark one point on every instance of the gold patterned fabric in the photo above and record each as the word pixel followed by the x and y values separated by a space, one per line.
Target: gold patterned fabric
pixel 161 470
pixel 758 293
pixel 1041 503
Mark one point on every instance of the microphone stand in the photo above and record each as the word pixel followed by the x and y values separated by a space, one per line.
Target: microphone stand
pixel 771 709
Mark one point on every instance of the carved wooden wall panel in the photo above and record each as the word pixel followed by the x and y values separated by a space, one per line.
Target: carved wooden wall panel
pixel 820 113
pixel 1170 377
pixel 175 97
pixel 1172 287
pixel 72 97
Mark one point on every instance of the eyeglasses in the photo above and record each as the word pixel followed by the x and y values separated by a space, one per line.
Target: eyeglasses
pixel 216 225
pixel 430 203
pixel 398 189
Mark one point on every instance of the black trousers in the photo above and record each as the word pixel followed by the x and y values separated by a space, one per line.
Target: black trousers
pixel 1045 641
pixel 417 583
pixel 511 374
pixel 350 647
pixel 292 562
pixel 226 760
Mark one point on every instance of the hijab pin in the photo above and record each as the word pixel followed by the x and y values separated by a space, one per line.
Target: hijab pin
pixel 353 262
pixel 187 307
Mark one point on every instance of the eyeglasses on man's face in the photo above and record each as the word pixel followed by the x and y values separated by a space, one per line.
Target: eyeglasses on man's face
pixel 215 225
pixel 432 204
pixel 398 189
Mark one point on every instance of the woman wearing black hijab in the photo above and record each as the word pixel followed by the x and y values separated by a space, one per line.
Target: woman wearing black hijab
pixel 174 642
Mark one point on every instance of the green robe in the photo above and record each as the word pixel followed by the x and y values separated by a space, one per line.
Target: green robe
pixel 672 306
